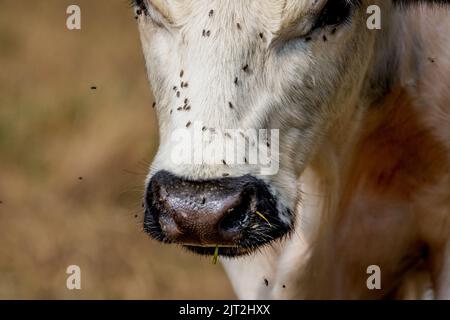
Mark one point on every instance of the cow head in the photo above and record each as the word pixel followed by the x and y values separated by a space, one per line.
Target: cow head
pixel 246 92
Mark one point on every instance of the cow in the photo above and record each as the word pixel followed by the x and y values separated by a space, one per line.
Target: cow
pixel 350 196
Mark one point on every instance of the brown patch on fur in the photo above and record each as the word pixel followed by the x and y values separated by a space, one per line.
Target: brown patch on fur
pixel 397 158
pixel 398 155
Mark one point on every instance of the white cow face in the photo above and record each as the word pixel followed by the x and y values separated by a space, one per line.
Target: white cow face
pixel 288 68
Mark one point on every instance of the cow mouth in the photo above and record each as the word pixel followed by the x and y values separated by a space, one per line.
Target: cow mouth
pixel 250 240
pixel 224 251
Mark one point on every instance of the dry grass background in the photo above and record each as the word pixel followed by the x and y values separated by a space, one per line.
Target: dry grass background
pixel 54 130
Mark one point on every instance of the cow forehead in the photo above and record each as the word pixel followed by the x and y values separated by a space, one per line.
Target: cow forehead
pixel 272 11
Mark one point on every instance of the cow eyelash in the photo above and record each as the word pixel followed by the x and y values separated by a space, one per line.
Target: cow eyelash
pixel 139 5
pixel 145 8
pixel 335 13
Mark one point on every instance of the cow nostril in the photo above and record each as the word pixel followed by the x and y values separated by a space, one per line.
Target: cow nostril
pixel 169 226
pixel 236 218
pixel 233 222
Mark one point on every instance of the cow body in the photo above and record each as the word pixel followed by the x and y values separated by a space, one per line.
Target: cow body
pixel 364 143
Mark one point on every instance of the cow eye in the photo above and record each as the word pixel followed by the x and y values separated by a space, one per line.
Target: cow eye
pixel 140 5
pixel 146 9
pixel 334 13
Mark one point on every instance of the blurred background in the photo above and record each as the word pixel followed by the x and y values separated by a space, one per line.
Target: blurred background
pixel 73 160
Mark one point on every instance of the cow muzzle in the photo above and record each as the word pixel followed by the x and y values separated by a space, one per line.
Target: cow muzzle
pixel 237 215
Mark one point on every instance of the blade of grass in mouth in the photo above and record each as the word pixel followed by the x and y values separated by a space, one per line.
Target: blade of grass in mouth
pixel 216 255
pixel 263 217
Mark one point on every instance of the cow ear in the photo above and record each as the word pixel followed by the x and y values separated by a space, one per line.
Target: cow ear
pixel 419 2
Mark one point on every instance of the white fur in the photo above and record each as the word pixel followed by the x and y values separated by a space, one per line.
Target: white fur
pixel 315 92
